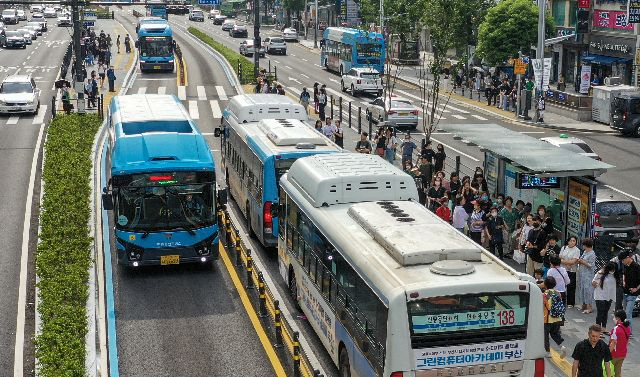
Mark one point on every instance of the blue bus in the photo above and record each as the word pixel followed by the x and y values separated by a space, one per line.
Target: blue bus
pixel 157 10
pixel 256 155
pixel 149 20
pixel 345 48
pixel 156 47
pixel 162 183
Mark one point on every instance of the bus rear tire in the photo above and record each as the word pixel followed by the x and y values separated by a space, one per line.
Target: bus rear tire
pixel 344 367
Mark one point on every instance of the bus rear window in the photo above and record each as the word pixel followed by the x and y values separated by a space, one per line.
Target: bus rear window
pixel 467 313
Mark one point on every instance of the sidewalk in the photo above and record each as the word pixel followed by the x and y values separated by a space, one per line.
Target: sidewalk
pixel 121 63
pixel 576 329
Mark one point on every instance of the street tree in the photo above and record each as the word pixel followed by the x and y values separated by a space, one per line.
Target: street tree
pixel 509 27
pixel 291 7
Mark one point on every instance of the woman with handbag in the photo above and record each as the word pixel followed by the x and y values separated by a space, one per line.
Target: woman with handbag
pixel 569 256
pixel 584 275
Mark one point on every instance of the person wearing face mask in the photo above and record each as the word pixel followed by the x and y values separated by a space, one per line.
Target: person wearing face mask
pixel 454 185
pixel 435 193
pixel 407 147
pixel 439 157
pixel 509 215
pixel 493 232
pixel 476 223
pixel 536 241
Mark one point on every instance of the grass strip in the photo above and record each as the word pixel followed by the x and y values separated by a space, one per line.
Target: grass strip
pixel 64 250
pixel 246 73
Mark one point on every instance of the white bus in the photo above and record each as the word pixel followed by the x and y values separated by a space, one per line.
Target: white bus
pixel 390 288
pixel 251 108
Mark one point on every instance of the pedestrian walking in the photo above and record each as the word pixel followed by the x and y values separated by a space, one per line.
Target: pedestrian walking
pixel 316 97
pixel 619 341
pixel 584 277
pixel 589 355
pixel 407 147
pixel 535 243
pixel 604 293
pixel 66 100
pixel 111 77
pixel 118 43
pixel 493 232
pixel 304 99
pixel 127 44
pixel 553 312
pixel 329 129
pixel 438 158
pixel 338 136
pixel 631 281
pixel 569 255
pixel 562 278
pixel 88 91
pixel 102 72
pixel 541 107
pixel 322 103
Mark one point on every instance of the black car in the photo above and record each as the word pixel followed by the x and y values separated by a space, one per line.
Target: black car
pixel 239 31
pixel 625 114
pixel 219 19
pixel 14 39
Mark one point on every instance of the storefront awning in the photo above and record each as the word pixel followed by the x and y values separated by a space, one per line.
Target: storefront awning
pixel 601 59
pixel 526 152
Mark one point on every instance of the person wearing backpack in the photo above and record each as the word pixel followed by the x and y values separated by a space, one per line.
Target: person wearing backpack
pixel 562 277
pixel 304 99
pixel 619 341
pixel 553 312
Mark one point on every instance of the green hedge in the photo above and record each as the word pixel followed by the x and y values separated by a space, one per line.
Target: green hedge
pixel 232 57
pixel 64 252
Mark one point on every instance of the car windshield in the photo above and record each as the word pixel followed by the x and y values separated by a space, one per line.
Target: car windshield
pixel 13 34
pixel 163 208
pixel 16 87
pixel 401 105
pixel 8 12
pixel 34 24
pixel 197 13
pixel 277 40
pixel 616 208
pixel 577 147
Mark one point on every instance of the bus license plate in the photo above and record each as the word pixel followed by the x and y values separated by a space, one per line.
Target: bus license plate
pixel 156 67
pixel 169 259
pixel 403 114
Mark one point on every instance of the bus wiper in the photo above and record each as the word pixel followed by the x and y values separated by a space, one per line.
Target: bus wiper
pixel 188 229
pixel 145 234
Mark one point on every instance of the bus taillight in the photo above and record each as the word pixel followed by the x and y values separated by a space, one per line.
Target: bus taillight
pixel 268 219
pixel 539 372
pixel 397 374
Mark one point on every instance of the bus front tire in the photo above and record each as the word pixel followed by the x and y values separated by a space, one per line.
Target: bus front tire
pixel 344 365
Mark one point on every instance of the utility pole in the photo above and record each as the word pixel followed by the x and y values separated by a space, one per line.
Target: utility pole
pixel 540 50
pixel 381 15
pixel 77 49
pixel 315 27
pixel 257 42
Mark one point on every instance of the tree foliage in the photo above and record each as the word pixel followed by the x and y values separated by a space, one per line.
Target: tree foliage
pixel 293 5
pixel 509 27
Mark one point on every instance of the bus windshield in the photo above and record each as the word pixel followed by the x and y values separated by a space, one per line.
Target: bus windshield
pixel 155 46
pixel 463 317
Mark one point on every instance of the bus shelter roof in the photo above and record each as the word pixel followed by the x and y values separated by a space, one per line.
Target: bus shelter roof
pixel 526 152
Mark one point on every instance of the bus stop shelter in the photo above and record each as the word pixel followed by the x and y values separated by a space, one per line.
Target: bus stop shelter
pixel 537 172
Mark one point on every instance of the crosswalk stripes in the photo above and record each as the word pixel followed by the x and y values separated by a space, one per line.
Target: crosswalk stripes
pixel 162 90
pixel 458 116
pixel 478 117
pixel 182 93
pixel 202 94
pixel 193 110
pixel 39 118
pixel 215 109
pixel 142 90
pixel 221 94
pixel 13 119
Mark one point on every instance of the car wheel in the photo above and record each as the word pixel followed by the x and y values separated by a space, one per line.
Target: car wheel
pixel 344 367
pixel 637 133
pixel 342 87
pixel 37 109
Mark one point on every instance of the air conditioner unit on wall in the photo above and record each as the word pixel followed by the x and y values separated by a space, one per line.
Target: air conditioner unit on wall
pixel 610 81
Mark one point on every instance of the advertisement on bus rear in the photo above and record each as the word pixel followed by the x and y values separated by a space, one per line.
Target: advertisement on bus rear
pixel 467 355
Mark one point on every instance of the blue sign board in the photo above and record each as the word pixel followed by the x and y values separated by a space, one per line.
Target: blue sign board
pixel 89 23
pixel 208 2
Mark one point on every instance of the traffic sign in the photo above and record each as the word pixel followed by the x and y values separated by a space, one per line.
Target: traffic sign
pixel 89 23
pixel 519 67
pixel 208 2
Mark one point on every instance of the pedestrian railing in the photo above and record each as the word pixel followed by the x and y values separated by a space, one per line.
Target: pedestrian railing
pixel 238 256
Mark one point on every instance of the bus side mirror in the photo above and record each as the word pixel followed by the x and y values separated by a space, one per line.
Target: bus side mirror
pixel 217 132
pixel 136 44
pixel 222 196
pixel 275 210
pixel 107 200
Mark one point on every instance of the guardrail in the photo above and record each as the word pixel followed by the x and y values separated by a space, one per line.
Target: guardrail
pixel 285 339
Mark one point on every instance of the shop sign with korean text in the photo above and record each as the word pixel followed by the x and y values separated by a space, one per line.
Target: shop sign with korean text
pixel 612 46
pixel 611 19
pixel 633 11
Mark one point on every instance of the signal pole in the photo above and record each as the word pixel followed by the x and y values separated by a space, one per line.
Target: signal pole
pixel 257 42
pixel 77 51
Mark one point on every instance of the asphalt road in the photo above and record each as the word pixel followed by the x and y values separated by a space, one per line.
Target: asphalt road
pixel 18 136
pixel 185 320
pixel 301 68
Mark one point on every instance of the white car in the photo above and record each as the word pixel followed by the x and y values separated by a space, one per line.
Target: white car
pixel 247 48
pixel 49 12
pixel 19 94
pixel 290 34
pixel 34 30
pixel 10 16
pixel 572 144
pixel 64 20
pixel 275 45
pixel 28 35
pixel 36 25
pixel 362 80
pixel 213 13
pixel 396 112
pixel 22 15
pixel 39 17
pixel 36 8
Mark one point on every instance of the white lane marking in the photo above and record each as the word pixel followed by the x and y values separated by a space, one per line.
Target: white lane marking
pixel 202 94
pixel 458 116
pixel 294 90
pixel 622 192
pixel 193 110
pixel 18 366
pixel 13 119
pixel 287 67
pixel 41 113
pixel 215 109
pixel 455 150
pixel 277 62
pixel 334 80
pixel 162 90
pixel 182 93
pixel 303 75
pixel 221 94
pixel 142 90
pixel 478 117
pixel 292 54
pixel 304 60
pixel 408 94
pixel 457 109
pixel 296 80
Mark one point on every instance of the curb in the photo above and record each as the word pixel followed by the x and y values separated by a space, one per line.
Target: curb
pixel 560 363
pixel 454 98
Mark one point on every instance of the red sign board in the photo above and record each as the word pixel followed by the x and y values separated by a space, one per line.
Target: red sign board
pixel 584 4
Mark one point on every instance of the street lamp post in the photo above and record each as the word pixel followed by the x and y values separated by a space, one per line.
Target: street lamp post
pixel 315 27
pixel 540 51
pixel 256 38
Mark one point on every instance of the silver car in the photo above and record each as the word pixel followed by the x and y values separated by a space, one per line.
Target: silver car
pixel 618 217
pixel 28 35
pixel 247 48
pixel 397 112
